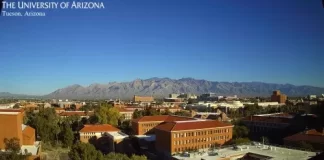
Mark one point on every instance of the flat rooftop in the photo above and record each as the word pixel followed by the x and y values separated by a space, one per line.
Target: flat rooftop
pixel 9 113
pixel 118 135
pixel 280 115
pixel 151 137
pixel 276 153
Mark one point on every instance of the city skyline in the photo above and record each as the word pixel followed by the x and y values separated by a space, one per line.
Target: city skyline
pixel 268 41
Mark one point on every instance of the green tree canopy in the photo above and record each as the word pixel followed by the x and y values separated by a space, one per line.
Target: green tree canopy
pixel 16 105
pixel 137 114
pixel 239 141
pixel 107 115
pixel 12 148
pixel 240 131
pixel 84 151
pixel 12 144
pixel 119 156
pixel 67 135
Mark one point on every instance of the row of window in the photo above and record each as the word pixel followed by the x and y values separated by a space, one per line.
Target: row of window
pixel 145 130
pixel 196 147
pixel 92 133
pixel 150 124
pixel 87 137
pixel 198 140
pixel 198 133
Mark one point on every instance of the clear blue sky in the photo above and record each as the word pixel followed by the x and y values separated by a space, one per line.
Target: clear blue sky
pixel 220 40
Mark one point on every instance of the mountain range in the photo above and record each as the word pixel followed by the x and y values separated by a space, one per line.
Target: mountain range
pixel 161 87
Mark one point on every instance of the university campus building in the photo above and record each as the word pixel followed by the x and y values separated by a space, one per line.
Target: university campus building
pixel 105 133
pixel 278 97
pixel 175 134
pixel 11 124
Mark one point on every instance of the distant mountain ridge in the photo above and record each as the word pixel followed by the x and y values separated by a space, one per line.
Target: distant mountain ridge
pixel 10 95
pixel 161 87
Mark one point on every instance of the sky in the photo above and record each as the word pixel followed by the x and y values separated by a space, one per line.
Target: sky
pixel 271 41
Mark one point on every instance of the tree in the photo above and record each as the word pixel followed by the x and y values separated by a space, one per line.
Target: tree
pixel 46 124
pixel 137 114
pixel 12 144
pixel 183 113
pixel 116 156
pixel 119 156
pixel 125 126
pixel 240 131
pixel 84 151
pixel 167 112
pixel 67 135
pixel 12 148
pixel 107 115
pixel 16 106
pixel 136 157
pixel 73 107
pixel 239 141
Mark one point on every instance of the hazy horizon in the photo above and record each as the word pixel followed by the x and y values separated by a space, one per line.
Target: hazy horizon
pixel 263 41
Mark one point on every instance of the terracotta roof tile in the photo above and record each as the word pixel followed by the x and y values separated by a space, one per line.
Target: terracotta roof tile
pixel 123 109
pixel 99 128
pixel 71 113
pixel 315 132
pixel 166 118
pixel 191 125
pixel 268 119
pixel 312 136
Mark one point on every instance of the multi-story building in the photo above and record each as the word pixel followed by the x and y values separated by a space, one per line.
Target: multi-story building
pixel 104 133
pixel 11 124
pixel 7 106
pixel 175 134
pixel 208 97
pixel 267 122
pixel 278 97
pixel 311 97
pixel 125 113
pixel 76 113
pixel 253 151
pixel 146 124
pixel 187 96
pixel 143 100
pixel 180 136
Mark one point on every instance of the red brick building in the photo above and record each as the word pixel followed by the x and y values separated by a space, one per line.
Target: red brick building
pixel 278 97
pixel 105 135
pixel 175 134
pixel 146 124
pixel 76 113
pixel 143 99
pixel 265 123
pixel 181 136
